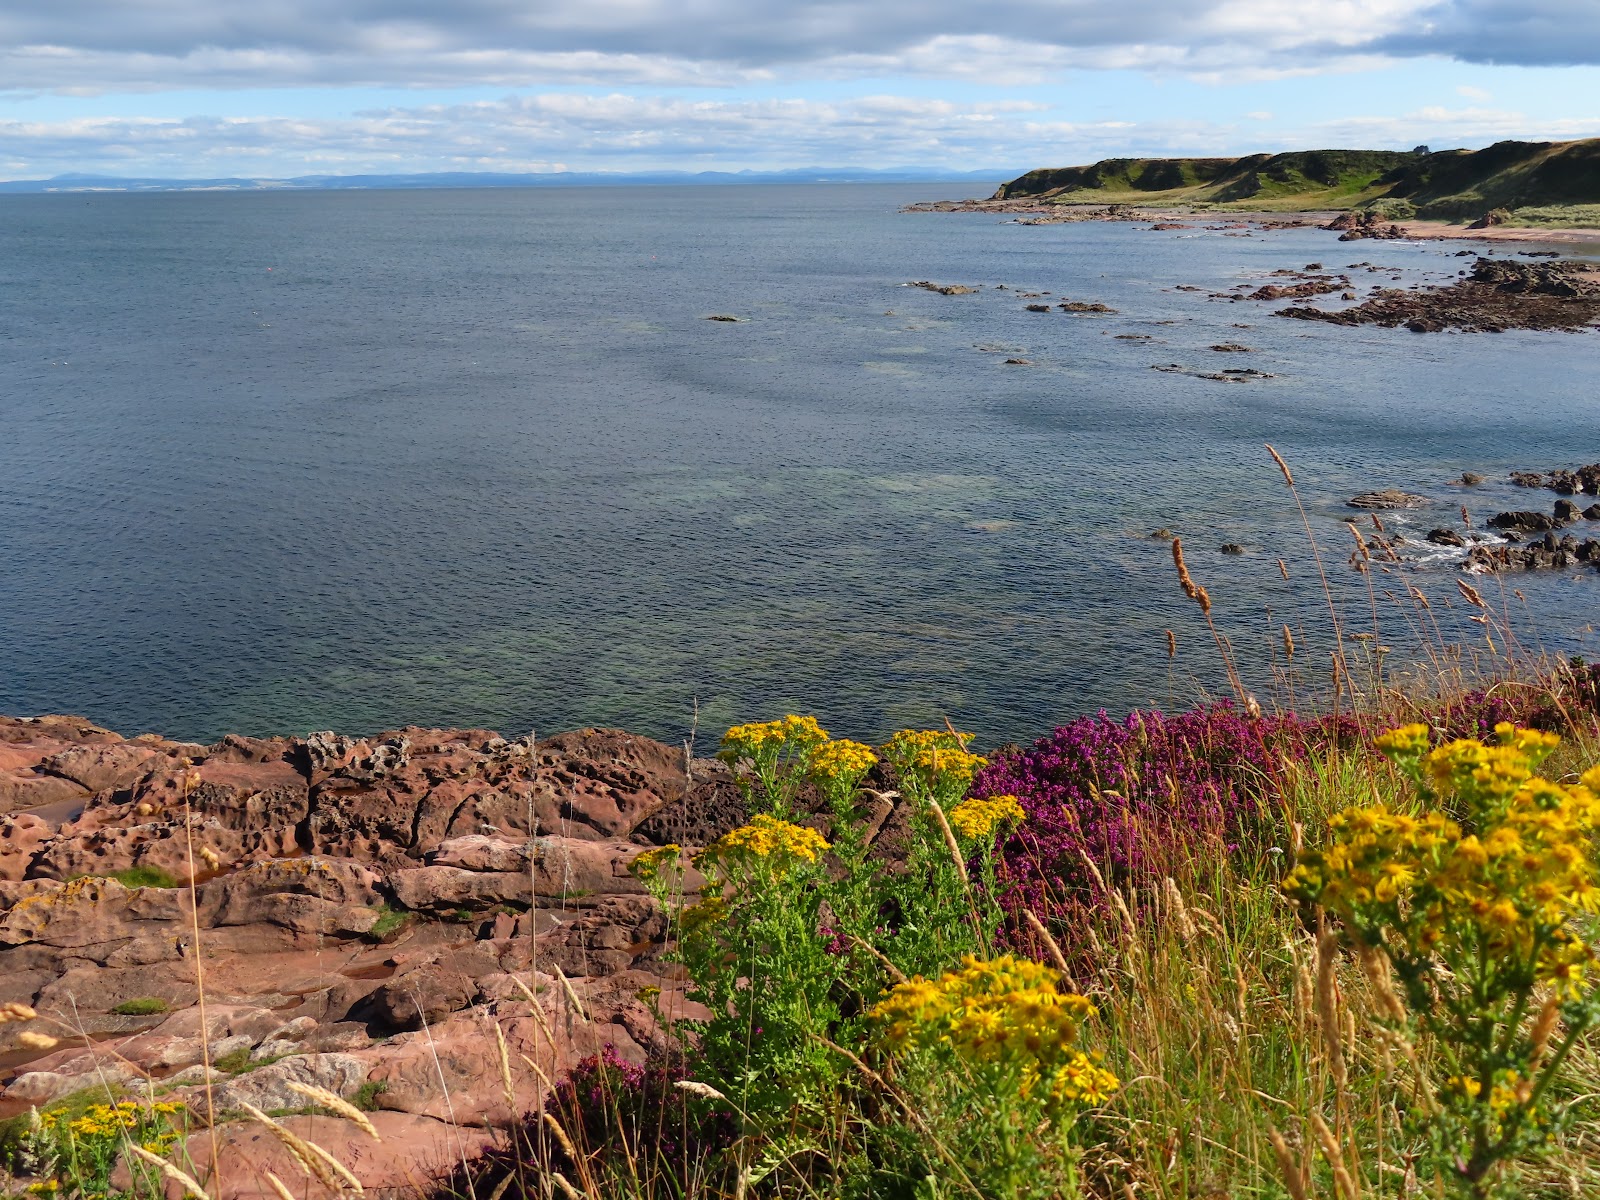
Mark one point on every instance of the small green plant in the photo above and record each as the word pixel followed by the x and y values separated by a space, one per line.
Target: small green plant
pixel 1474 903
pixel 236 1061
pixel 138 877
pixel 390 921
pixel 366 1096
pixel 141 1006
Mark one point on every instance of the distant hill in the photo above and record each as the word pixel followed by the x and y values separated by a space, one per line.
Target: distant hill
pixel 484 179
pixel 1538 182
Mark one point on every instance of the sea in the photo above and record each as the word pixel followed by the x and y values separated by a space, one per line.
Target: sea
pixel 273 462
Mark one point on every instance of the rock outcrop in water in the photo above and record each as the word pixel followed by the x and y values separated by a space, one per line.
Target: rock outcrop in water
pixel 367 908
pixel 1498 294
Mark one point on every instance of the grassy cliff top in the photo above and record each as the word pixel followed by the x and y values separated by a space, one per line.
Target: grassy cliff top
pixel 1547 182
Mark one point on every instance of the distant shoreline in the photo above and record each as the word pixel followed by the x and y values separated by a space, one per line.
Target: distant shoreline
pixel 1069 213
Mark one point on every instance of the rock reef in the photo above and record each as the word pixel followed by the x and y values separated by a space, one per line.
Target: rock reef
pixel 364 909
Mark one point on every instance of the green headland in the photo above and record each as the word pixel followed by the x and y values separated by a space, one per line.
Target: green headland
pixel 1531 183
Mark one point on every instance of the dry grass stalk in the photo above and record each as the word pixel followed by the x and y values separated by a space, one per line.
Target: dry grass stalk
pixel 1283 569
pixel 894 972
pixel 1172 645
pixel 1051 945
pixel 1282 466
pixel 1543 1028
pixel 567 1147
pixel 703 1090
pixel 535 1009
pixel 1288 643
pixel 1179 910
pixel 1471 593
pixel 539 1071
pixel 1288 1167
pixel 316 1161
pixel 1466 517
pixel 191 779
pixel 1335 1156
pixel 1361 542
pixel 950 841
pixel 337 1104
pixel 566 986
pixel 1304 986
pixel 278 1186
pixel 567 1190
pixel 13 1011
pixel 1375 964
pixel 506 1087
pixel 186 1182
pixel 1327 1005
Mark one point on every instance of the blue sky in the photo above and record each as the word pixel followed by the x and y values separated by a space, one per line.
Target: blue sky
pixel 269 88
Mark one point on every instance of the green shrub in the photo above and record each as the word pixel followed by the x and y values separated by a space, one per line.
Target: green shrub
pixel 141 1006
pixel 390 921
pixel 138 877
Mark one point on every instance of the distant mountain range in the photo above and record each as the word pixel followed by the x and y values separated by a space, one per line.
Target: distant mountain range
pixel 1526 178
pixel 475 179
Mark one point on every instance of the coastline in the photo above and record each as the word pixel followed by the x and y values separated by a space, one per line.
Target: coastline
pixel 1417 230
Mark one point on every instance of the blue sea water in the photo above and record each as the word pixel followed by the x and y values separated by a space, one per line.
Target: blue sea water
pixel 274 462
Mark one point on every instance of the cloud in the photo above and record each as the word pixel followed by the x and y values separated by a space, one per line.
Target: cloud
pixel 112 45
pixel 621 132
pixel 600 132
pixel 1543 33
pixel 1479 94
pixel 1439 127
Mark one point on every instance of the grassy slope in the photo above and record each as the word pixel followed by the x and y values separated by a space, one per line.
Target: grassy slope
pixel 1546 182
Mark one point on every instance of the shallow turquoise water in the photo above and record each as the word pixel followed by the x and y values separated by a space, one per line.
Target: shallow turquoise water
pixel 276 462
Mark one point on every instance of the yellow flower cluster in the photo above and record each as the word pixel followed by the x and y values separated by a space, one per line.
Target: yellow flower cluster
pixel 112 1120
pixel 766 837
pixel 792 734
pixel 712 910
pixel 977 817
pixel 649 865
pixel 1513 872
pixel 842 760
pixel 937 758
pixel 1007 1011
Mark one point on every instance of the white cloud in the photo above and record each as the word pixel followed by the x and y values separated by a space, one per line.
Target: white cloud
pixel 1259 115
pixel 111 45
pixel 1438 126
pixel 604 132
pixel 1475 93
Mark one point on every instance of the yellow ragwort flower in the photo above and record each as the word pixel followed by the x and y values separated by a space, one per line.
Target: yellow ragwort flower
pixel 977 817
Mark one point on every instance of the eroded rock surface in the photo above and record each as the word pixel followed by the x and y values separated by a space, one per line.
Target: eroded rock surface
pixel 360 912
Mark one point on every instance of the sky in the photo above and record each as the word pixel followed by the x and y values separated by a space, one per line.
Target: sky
pixel 279 88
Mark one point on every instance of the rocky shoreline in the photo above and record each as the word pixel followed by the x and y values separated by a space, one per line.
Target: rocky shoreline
pixel 1034 211
pixel 366 909
pixel 1496 295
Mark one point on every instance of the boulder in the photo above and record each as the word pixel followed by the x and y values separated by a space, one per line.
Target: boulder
pixel 1386 499
pixel 99 768
pixel 1522 522
pixel 268 1087
pixel 413 1150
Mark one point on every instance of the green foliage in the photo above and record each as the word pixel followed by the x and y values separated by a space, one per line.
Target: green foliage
pixel 138 877
pixel 141 1006
pixel 1473 901
pixel 71 1149
pixel 236 1061
pixel 366 1096
pixel 390 922
pixel 792 941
